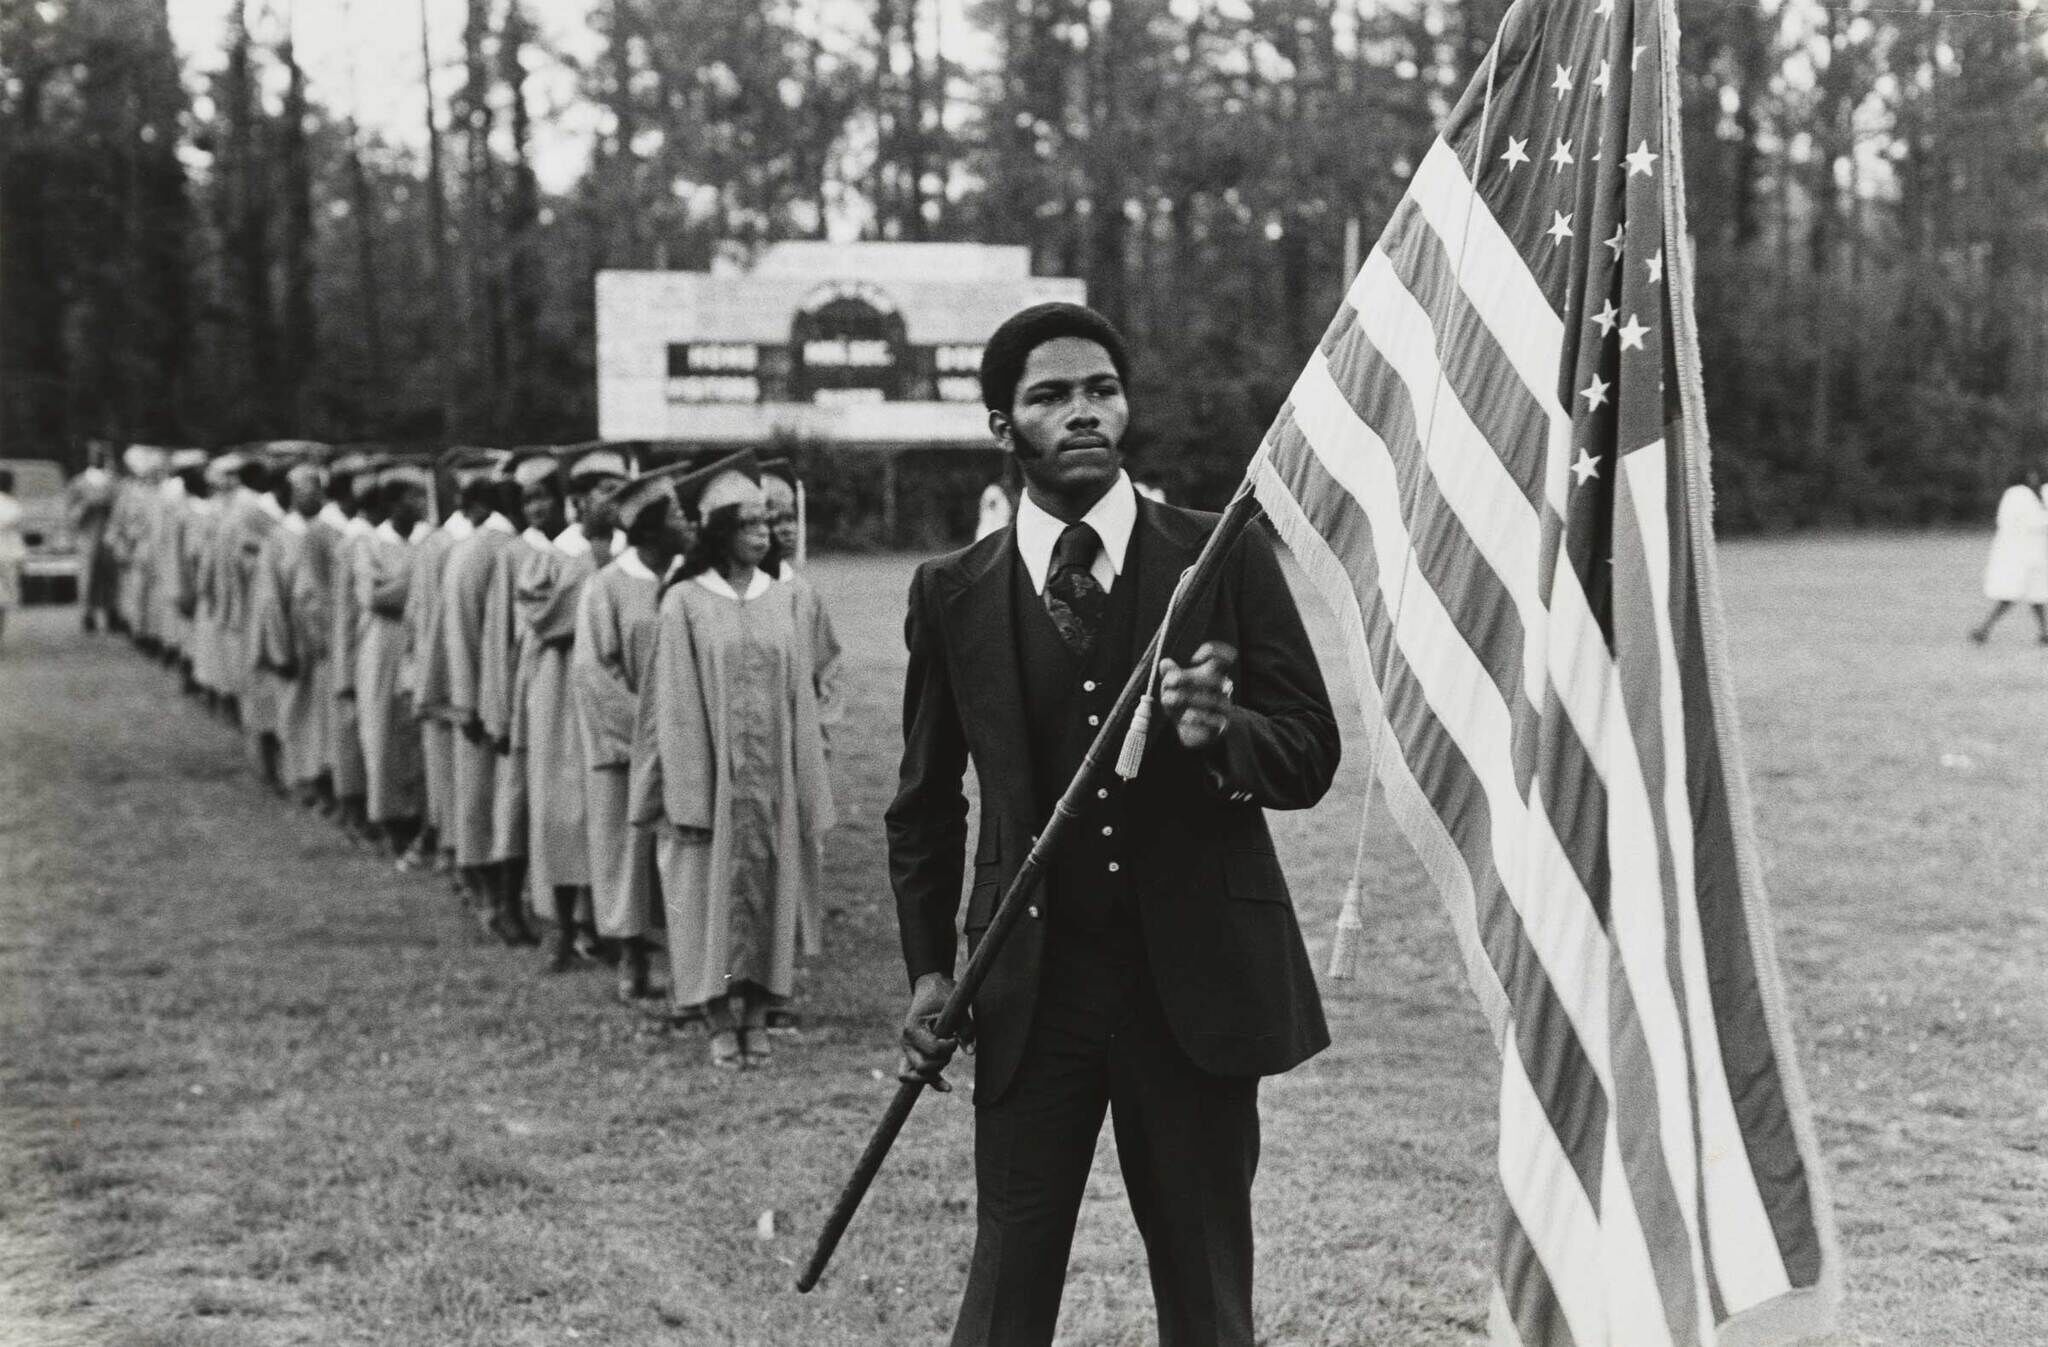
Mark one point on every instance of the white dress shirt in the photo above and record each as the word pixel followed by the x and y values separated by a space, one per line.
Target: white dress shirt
pixel 1112 518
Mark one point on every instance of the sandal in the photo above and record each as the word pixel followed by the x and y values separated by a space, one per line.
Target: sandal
pixel 725 1050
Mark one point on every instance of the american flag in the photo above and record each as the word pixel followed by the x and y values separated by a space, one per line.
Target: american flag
pixel 1494 467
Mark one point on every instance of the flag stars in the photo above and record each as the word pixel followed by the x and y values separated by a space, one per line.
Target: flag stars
pixel 1595 393
pixel 1560 228
pixel 1517 153
pixel 1655 263
pixel 1619 241
pixel 1604 320
pixel 1586 468
pixel 1604 10
pixel 1640 160
pixel 1561 157
pixel 1602 80
pixel 1632 333
pixel 1636 55
pixel 1563 83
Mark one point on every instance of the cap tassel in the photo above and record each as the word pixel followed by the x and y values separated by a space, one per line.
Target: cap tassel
pixel 1133 755
pixel 1350 925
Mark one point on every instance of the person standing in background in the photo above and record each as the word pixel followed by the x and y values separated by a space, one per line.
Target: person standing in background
pixel 292 627
pixel 2017 569
pixel 13 552
pixel 202 546
pixel 393 767
pixel 785 532
pixel 994 511
pixel 778 485
pixel 536 500
pixel 614 648
pixel 263 689
pixel 466 580
pixel 737 788
pixel 425 669
pixel 547 587
pixel 89 498
pixel 349 498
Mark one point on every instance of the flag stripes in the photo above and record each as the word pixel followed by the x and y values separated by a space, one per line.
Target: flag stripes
pixel 1475 468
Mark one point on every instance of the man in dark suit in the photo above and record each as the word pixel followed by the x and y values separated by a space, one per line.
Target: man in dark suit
pixel 1160 971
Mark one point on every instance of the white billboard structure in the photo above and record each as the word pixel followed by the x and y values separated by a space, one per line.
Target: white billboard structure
pixel 845 344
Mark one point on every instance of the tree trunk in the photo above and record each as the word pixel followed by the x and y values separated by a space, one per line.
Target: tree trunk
pixel 437 225
pixel 301 342
pixel 522 214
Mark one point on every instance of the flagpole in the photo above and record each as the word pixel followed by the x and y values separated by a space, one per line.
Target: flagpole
pixel 1242 511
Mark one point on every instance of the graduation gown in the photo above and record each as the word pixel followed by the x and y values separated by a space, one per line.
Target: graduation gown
pixel 393 762
pixel 291 632
pixel 127 532
pixel 615 628
pixel 500 705
pixel 274 654
pixel 547 589
pixel 308 708
pixel 737 788
pixel 345 744
pixel 265 635
pixel 166 552
pixel 423 673
pixel 196 547
pixel 249 522
pixel 465 593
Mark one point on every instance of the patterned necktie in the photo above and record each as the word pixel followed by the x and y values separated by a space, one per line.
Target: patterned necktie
pixel 1073 599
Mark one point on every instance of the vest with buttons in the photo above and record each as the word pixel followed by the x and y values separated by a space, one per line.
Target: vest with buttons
pixel 1087 889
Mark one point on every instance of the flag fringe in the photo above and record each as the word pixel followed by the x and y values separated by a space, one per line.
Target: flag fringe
pixel 1805 1311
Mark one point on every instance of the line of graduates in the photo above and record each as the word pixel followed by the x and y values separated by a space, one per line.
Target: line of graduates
pixel 600 701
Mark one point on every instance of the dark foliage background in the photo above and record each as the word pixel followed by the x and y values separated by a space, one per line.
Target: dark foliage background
pixel 208 257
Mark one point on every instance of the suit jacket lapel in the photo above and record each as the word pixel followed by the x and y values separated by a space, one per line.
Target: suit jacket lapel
pixel 981 617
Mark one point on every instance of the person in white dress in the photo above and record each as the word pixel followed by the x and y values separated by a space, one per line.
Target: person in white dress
pixel 995 511
pixel 2017 570
pixel 13 551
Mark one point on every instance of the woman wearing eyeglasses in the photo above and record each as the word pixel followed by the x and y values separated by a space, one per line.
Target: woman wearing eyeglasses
pixel 736 790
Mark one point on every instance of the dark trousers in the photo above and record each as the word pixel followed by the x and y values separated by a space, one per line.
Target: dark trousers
pixel 1187 1141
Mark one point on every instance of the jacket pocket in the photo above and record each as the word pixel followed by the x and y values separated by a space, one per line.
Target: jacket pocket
pixel 1252 875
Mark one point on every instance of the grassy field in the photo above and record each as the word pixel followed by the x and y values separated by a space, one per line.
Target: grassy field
pixel 256 1088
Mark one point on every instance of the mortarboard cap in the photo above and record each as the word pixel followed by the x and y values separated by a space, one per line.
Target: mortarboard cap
pixel 465 464
pixel 143 459
pixel 630 500
pixel 730 487
pixel 354 463
pixel 532 466
pixel 597 464
pixel 677 482
pixel 417 475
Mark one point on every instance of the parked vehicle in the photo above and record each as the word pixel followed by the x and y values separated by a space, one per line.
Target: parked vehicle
pixel 50 575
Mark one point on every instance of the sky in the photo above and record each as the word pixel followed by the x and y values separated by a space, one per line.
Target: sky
pixel 363 56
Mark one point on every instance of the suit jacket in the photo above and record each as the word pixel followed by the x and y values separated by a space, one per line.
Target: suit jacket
pixel 1219 930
